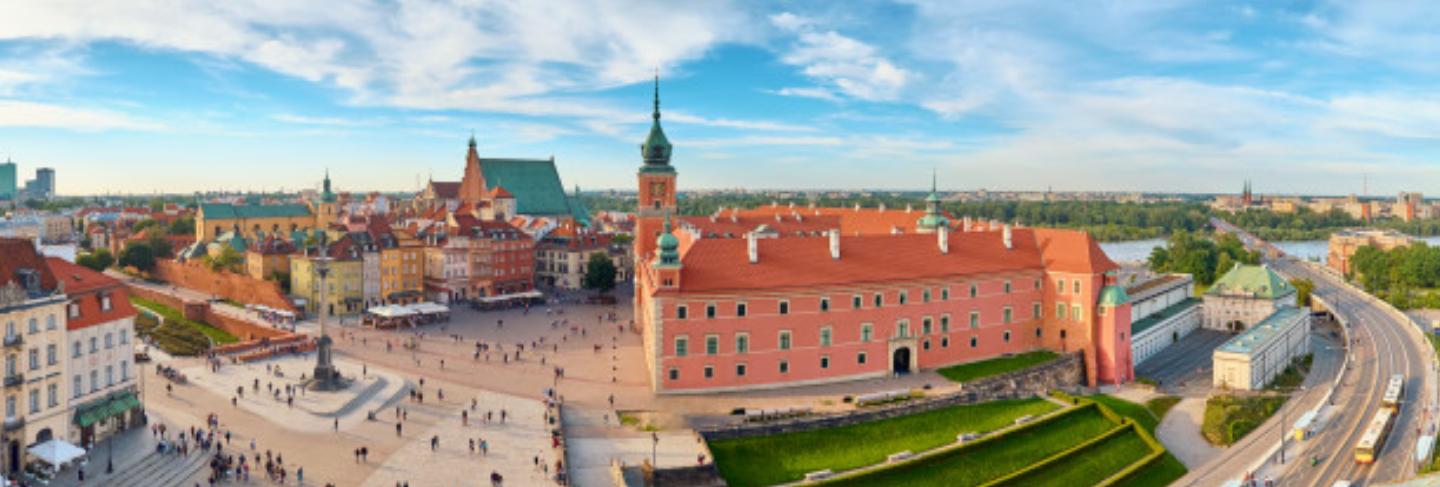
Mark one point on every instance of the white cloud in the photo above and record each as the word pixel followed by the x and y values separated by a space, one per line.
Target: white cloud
pixel 808 92
pixel 327 121
pixel 17 113
pixel 495 55
pixel 848 65
pixel 764 140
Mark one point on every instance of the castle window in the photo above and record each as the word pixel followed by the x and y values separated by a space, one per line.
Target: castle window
pixel 925 296
pixel 945 342
pixel 682 346
pixel 709 372
pixel 710 311
pixel 867 332
pixel 1077 286
pixel 674 373
pixel 926 344
pixel 945 294
pixel 974 319
pixel 855 302
pixel 824 361
pixel 1007 336
pixel 879 299
pixel 1075 313
pixel 824 304
pixel 1005 315
pixel 925 328
pixel 712 344
pixel 681 312
pixel 904 297
pixel 974 342
pixel 1059 311
pixel 945 323
pixel 740 370
pixel 784 366
pixel 860 358
pixel 784 307
pixel 1035 311
pixel 825 336
pixel 1007 287
pixel 742 342
pixel 740 309
pixel 974 290
pixel 785 339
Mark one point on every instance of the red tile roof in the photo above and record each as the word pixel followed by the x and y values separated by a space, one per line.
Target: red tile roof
pixel 1072 251
pixel 853 221
pixel 722 264
pixel 446 190
pixel 737 226
pixel 85 287
pixel 19 253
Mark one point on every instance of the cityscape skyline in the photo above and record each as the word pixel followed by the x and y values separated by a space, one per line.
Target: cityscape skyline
pixel 1183 97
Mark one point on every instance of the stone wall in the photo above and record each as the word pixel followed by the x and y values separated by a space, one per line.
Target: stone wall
pixel 202 311
pixel 236 287
pixel 1066 372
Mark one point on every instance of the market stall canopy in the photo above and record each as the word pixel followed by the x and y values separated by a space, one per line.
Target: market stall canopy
pixel 429 308
pixel 391 311
pixel 56 452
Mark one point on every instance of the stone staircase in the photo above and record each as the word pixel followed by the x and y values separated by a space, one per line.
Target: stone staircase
pixel 156 470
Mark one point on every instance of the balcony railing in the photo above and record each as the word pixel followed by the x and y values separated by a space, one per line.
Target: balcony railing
pixel 14 340
pixel 13 424
pixel 14 380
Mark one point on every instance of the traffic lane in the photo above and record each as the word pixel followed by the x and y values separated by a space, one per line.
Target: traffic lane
pixel 1400 463
pixel 1335 456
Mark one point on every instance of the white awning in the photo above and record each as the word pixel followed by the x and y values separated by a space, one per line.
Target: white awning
pixel 56 452
pixel 391 311
pixel 429 308
pixel 507 297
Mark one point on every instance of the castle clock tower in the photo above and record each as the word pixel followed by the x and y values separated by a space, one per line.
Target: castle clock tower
pixel 657 186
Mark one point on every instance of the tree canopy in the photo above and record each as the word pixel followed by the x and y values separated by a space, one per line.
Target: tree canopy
pixel 599 273
pixel 1204 258
pixel 139 256
pixel 98 260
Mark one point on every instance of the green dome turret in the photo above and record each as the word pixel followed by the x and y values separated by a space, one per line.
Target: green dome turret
pixel 669 245
pixel 933 218
pixel 656 149
pixel 1113 295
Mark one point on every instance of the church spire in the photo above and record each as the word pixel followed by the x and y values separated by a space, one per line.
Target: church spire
pixel 472 140
pixel 656 149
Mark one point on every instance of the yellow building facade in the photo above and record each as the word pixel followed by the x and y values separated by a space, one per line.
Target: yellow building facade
pixel 344 292
pixel 402 270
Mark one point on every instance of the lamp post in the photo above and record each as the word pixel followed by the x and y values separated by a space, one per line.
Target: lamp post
pixel 654 449
pixel 110 451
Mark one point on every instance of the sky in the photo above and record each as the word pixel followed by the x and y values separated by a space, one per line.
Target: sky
pixel 1302 97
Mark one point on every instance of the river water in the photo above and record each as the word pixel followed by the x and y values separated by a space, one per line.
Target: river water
pixel 1139 250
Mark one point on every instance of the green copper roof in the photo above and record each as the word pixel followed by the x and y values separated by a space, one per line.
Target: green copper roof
pixel 1113 296
pixel 669 245
pixel 534 182
pixel 327 195
pixel 578 209
pixel 1253 280
pixel 932 221
pixel 656 149
pixel 226 211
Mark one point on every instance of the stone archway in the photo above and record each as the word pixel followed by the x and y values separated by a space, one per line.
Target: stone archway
pixel 1235 326
pixel 900 361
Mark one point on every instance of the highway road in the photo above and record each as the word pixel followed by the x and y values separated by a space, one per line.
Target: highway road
pixel 1386 344
pixel 1385 347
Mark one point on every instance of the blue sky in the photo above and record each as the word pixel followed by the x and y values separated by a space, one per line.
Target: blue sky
pixel 1158 95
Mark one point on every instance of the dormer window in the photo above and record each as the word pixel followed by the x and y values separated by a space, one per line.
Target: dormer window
pixel 74 310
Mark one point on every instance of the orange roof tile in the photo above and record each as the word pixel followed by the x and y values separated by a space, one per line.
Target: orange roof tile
pixel 1072 251
pixel 862 221
pixel 84 286
pixel 722 264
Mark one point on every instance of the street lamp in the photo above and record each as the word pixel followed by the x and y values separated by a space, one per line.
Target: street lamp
pixel 110 451
pixel 654 448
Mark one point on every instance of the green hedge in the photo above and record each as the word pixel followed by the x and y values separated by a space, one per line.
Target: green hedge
pixel 769 460
pixel 1229 418
pixel 176 335
pixel 996 366
pixel 994 457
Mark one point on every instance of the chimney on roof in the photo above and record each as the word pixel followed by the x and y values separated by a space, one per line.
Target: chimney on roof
pixel 966 225
pixel 834 243
pixel 857 206
pixel 882 206
pixel 778 218
pixel 752 247
pixel 942 236
pixel 1005 235
pixel 909 208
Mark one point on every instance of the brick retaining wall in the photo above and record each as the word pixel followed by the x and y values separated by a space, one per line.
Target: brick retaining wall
pixel 236 287
pixel 1065 372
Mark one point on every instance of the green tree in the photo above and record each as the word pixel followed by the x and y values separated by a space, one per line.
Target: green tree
pixel 139 256
pixel 157 204
pixel 98 260
pixel 159 245
pixel 182 226
pixel 1303 289
pixel 228 259
pixel 599 273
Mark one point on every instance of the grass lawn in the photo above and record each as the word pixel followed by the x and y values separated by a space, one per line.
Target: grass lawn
pixel 769 460
pixel 1138 413
pixel 171 315
pixel 1159 473
pixel 1090 465
pixel 996 366
pixel 964 467
pixel 1229 418
pixel 1161 405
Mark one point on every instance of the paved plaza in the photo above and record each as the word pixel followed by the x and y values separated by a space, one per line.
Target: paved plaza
pixel 264 385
